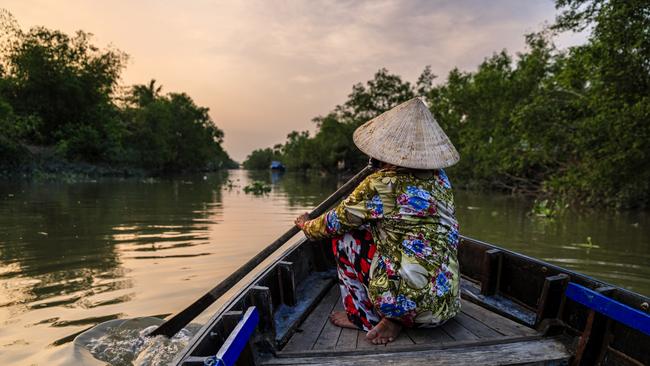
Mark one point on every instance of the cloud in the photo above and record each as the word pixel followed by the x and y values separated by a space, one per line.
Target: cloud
pixel 268 67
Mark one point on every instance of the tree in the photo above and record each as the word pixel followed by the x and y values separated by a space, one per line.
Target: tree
pixel 612 74
pixel 261 159
pixel 59 90
pixel 383 92
pixel 171 133
pixel 65 81
pixel 142 95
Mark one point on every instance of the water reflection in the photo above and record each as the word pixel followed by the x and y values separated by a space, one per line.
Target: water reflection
pixel 66 238
pixel 63 248
pixel 74 255
pixel 614 247
pixel 299 189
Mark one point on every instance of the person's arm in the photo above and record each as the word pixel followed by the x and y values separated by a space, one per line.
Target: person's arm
pixel 361 206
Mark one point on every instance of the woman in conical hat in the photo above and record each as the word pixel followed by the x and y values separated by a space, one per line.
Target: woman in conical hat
pixel 395 236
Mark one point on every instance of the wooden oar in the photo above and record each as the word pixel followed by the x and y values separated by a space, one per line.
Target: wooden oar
pixel 178 321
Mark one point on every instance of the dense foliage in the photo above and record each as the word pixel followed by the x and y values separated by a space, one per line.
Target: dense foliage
pixel 571 124
pixel 170 132
pixel 261 158
pixel 60 92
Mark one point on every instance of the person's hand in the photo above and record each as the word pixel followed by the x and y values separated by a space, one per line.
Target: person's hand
pixel 300 220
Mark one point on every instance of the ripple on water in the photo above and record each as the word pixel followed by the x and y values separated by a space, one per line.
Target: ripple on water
pixel 125 342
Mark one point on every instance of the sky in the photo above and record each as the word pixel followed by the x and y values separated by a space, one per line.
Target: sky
pixel 265 68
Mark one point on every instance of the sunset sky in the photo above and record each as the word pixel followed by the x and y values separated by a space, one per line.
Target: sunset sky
pixel 265 68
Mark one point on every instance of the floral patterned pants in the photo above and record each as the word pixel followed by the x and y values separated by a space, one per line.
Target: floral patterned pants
pixel 354 251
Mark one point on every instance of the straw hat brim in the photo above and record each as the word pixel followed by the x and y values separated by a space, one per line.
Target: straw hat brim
pixel 407 136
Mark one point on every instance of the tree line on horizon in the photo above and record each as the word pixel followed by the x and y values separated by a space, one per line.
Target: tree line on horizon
pixel 568 124
pixel 59 94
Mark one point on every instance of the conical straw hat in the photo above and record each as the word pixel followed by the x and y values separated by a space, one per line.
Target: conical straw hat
pixel 407 136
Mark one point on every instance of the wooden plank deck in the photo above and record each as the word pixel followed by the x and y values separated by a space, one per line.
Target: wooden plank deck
pixel 475 336
pixel 538 352
pixel 474 323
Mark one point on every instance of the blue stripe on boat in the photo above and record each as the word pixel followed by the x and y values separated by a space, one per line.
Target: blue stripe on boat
pixel 622 313
pixel 236 341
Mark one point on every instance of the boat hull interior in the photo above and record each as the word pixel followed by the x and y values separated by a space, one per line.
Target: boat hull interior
pixel 513 312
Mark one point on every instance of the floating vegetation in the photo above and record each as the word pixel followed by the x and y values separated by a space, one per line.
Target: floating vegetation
pixel 230 184
pixel 547 209
pixel 588 245
pixel 257 188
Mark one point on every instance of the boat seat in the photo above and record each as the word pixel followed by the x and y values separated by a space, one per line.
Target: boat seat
pixel 544 351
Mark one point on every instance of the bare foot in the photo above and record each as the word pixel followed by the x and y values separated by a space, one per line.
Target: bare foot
pixel 384 332
pixel 340 319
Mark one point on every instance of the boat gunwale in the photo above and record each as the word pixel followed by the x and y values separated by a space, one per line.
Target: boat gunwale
pixel 206 328
pixel 586 278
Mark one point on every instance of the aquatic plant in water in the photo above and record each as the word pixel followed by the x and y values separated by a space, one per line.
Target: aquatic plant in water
pixel 230 184
pixel 547 209
pixel 257 188
pixel 589 244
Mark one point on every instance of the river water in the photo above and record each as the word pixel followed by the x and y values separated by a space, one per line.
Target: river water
pixel 73 255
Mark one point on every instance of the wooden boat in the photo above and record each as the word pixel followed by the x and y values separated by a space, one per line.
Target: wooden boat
pixel 515 310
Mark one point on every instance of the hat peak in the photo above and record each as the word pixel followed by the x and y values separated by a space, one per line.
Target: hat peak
pixel 408 136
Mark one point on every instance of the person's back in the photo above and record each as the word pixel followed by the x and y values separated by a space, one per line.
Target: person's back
pixel 416 233
pixel 395 237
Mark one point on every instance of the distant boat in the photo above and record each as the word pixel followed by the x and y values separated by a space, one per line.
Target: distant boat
pixel 276 165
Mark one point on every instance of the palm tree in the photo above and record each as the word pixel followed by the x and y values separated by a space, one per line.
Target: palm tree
pixel 144 94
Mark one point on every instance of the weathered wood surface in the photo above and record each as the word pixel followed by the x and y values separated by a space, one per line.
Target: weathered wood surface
pixel 497 303
pixel 428 336
pixel 307 333
pixel 309 294
pixel 551 299
pixel 500 324
pixel 330 333
pixel 474 323
pixel 457 332
pixel 548 351
pixel 287 283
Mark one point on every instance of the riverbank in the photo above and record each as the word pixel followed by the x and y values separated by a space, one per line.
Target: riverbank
pixel 42 164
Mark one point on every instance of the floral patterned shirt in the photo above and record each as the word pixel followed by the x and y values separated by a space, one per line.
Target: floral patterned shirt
pixel 414 276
